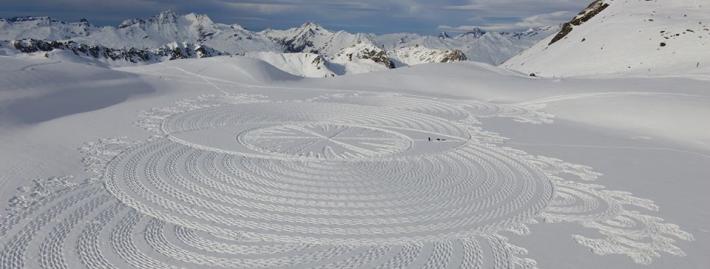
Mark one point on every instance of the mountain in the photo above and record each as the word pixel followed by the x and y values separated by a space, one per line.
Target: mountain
pixel 44 28
pixel 108 56
pixel 313 38
pixel 414 55
pixel 478 45
pixel 168 36
pixel 340 46
pixel 154 32
pixel 633 37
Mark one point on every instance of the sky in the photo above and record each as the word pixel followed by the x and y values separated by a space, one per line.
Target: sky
pixel 370 16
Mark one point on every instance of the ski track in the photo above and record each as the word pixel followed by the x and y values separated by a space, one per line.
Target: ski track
pixel 356 180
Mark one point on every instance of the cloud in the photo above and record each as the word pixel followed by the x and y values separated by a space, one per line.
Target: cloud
pixel 379 16
pixel 534 21
pixel 272 8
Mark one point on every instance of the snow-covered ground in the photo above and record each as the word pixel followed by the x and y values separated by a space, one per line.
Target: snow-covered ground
pixel 629 37
pixel 274 160
pixel 231 162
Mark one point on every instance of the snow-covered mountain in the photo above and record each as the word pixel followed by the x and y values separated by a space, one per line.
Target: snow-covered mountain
pixel 313 38
pixel 636 37
pixel 164 28
pixel 354 52
pixel 71 50
pixel 413 55
pixel 44 28
pixel 320 52
pixel 477 45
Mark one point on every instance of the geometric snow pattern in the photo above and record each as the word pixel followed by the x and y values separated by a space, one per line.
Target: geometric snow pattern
pixel 358 180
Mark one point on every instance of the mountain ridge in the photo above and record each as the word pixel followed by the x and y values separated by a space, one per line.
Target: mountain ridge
pixel 362 52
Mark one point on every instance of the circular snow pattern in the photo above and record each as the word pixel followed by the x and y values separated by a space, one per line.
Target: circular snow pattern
pixel 323 172
pixel 336 181
pixel 325 141
pixel 85 227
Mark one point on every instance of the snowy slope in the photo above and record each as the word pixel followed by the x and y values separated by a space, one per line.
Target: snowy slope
pixel 227 162
pixel 299 64
pixel 632 37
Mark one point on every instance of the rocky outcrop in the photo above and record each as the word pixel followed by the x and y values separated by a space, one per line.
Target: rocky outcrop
pixel 588 13
pixel 453 56
pixel 378 56
pixel 169 52
pixel 414 55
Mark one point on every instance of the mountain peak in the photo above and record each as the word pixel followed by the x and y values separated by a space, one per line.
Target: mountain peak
pixel 475 32
pixel 199 19
pixel 166 16
pixel 30 19
pixel 311 26
pixel 444 35
pixel 83 22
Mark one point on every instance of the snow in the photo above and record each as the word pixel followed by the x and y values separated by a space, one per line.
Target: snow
pixel 203 162
pixel 299 64
pixel 195 30
pixel 631 37
pixel 478 45
pixel 332 159
pixel 420 55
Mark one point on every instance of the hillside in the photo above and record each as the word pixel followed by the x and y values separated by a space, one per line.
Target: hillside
pixel 631 37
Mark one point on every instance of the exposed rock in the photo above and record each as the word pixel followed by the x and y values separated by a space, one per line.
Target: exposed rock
pixel 588 13
pixel 454 56
pixel 378 56
pixel 474 33
pixel 170 52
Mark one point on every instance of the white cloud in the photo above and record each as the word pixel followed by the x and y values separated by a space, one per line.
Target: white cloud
pixel 268 8
pixel 540 20
pixel 380 16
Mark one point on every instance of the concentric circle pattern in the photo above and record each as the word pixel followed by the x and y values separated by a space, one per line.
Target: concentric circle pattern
pixel 325 141
pixel 335 181
pixel 326 173
pixel 84 227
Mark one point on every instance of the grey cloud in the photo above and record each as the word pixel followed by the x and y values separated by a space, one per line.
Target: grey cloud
pixel 378 16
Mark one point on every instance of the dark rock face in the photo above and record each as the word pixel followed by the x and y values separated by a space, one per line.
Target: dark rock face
pixel 318 60
pixel 31 18
pixel 100 52
pixel 588 13
pixel 378 56
pixel 475 33
pixel 301 41
pixel 454 56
